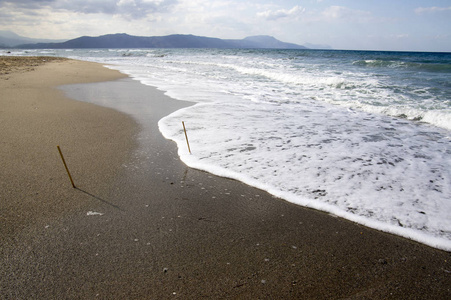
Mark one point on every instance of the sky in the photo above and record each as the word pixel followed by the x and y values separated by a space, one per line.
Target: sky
pixel 399 25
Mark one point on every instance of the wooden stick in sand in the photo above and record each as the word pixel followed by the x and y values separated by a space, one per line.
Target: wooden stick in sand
pixel 67 169
pixel 186 136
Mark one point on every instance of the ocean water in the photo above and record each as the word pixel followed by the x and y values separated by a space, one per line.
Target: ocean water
pixel 362 135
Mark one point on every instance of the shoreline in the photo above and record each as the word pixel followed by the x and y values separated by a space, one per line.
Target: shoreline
pixel 159 229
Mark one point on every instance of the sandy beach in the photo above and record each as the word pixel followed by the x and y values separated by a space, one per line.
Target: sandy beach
pixel 35 118
pixel 141 225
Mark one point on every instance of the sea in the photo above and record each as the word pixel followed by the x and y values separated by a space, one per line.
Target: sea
pixel 362 135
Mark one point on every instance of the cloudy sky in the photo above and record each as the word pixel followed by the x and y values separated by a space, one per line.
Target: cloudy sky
pixel 418 25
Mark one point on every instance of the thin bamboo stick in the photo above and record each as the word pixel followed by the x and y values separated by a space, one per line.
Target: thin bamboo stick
pixel 67 169
pixel 186 136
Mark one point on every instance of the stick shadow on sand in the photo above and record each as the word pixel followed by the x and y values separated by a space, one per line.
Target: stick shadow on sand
pixel 100 199
pixel 77 188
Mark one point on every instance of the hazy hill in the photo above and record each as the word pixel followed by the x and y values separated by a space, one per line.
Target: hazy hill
pixel 10 39
pixel 264 41
pixel 122 40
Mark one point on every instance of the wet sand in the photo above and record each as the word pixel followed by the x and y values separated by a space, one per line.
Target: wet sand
pixel 141 225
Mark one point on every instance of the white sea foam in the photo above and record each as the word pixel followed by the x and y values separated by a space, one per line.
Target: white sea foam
pixel 360 169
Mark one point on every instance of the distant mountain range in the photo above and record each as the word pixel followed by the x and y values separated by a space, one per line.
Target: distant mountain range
pixel 122 40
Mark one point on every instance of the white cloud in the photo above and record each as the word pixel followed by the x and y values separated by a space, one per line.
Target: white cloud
pixel 282 13
pixel 29 4
pixel 344 13
pixel 128 8
pixel 219 18
pixel 434 9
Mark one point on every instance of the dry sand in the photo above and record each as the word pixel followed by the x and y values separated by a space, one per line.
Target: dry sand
pixel 166 231
pixel 34 119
